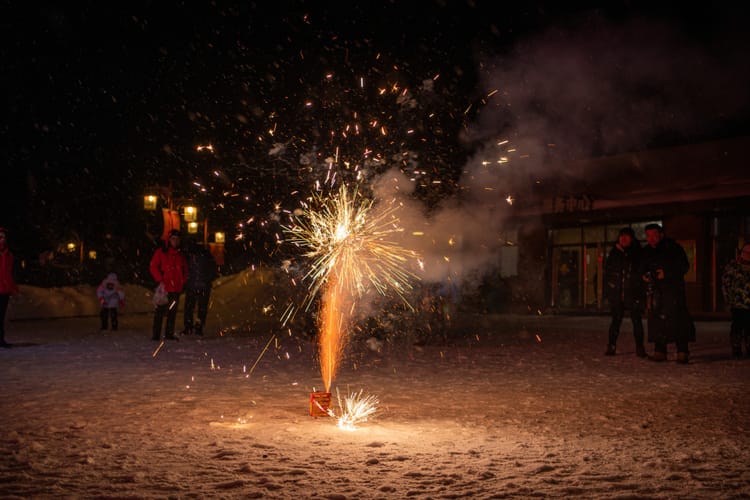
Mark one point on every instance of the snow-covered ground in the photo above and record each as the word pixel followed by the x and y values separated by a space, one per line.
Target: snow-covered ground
pixel 506 407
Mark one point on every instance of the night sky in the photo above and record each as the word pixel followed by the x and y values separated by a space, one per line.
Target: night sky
pixel 103 101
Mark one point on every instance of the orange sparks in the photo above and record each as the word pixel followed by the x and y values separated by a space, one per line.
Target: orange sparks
pixel 332 331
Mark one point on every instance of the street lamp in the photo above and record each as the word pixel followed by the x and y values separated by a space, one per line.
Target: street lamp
pixel 190 213
pixel 149 202
pixel 219 237
pixel 192 227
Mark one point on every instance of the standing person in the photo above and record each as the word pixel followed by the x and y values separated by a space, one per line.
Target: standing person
pixel 169 268
pixel 663 267
pixel 735 285
pixel 625 289
pixel 111 297
pixel 201 274
pixel 8 284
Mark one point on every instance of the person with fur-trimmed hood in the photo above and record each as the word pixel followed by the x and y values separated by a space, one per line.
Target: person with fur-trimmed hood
pixel 8 284
pixel 735 285
pixel 169 268
pixel 111 297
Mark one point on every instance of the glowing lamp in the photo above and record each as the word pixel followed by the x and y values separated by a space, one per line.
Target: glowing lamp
pixel 71 246
pixel 192 227
pixel 149 202
pixel 92 254
pixel 219 237
pixel 190 214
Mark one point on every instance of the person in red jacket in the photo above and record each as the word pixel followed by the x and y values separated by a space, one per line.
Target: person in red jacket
pixel 8 285
pixel 169 269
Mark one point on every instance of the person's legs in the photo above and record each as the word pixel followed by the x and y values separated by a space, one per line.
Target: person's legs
pixel 4 299
pixel 113 318
pixel 617 311
pixel 172 303
pixel 635 317
pixel 103 316
pixel 735 333
pixel 187 317
pixel 744 327
pixel 657 335
pixel 683 325
pixel 660 351
pixel 158 318
pixel 203 298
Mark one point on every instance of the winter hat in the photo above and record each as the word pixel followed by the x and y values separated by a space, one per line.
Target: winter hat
pixel 174 232
pixel 628 231
pixel 111 278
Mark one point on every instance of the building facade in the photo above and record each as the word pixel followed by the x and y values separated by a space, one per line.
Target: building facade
pixel 700 194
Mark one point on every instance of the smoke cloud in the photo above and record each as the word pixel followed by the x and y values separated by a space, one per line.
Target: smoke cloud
pixel 565 95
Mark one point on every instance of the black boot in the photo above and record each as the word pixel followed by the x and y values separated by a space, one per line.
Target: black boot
pixel 640 351
pixel 611 350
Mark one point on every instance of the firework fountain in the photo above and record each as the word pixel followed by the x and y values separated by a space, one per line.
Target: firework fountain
pixel 351 243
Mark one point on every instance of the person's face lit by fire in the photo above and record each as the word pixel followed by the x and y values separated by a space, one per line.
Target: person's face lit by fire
pixel 174 241
pixel 653 237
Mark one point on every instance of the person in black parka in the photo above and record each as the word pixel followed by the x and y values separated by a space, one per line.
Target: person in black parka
pixel 625 290
pixel 663 268
pixel 201 274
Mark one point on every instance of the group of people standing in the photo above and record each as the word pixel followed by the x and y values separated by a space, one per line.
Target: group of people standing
pixel 191 270
pixel 651 280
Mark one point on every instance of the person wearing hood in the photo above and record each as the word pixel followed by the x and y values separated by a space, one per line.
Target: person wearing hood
pixel 625 290
pixel 111 297
pixel 169 268
pixel 735 285
pixel 8 284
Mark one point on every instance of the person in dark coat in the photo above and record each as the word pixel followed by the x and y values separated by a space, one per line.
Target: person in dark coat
pixel 663 267
pixel 201 274
pixel 625 290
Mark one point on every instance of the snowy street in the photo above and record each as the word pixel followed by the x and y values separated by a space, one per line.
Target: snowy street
pixel 513 407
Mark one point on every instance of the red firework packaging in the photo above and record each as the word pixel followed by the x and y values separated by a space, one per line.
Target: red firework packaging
pixel 319 404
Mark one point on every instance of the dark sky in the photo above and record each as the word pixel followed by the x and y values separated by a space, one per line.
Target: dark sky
pixel 105 100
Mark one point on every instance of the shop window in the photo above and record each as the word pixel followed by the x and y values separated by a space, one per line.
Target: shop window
pixel 593 234
pixel 566 236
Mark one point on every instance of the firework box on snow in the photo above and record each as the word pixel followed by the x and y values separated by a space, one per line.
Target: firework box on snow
pixel 319 404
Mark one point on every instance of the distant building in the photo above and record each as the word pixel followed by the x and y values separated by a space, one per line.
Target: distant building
pixel 566 225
